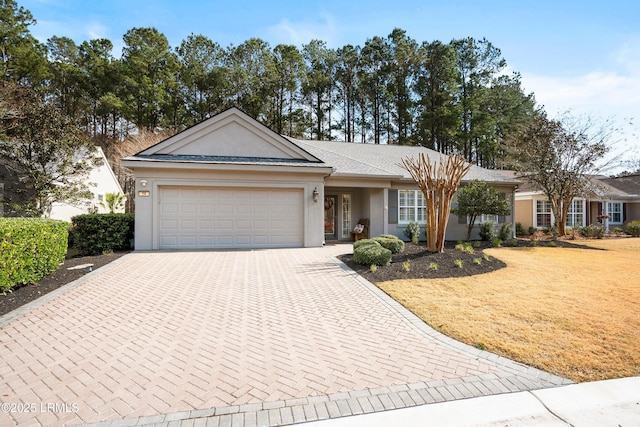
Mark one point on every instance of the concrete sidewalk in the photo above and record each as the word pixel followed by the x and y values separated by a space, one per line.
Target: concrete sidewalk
pixel 600 403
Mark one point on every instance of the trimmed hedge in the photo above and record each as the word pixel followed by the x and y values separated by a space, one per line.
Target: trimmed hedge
pixel 370 252
pixel 364 242
pixel 391 242
pixel 30 248
pixel 633 228
pixel 94 234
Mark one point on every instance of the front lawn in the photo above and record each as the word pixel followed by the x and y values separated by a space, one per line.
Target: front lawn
pixel 571 312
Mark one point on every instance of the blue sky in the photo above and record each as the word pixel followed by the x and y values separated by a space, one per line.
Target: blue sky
pixel 582 56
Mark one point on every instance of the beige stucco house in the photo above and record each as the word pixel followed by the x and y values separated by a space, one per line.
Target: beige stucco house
pixel 230 182
pixel 612 202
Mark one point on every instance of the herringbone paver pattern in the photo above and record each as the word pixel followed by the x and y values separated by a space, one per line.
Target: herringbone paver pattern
pixel 254 338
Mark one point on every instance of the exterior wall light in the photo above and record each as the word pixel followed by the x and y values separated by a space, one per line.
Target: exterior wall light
pixel 315 193
pixel 143 182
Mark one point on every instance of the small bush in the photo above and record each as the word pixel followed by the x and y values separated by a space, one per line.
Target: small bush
pixel 496 242
pixel 534 242
pixel 368 254
pixel 552 244
pixel 506 232
pixel 531 231
pixel 459 263
pixel 477 261
pixel 373 268
pixel 476 244
pixel 364 242
pixel 594 231
pixel 486 231
pixel 30 248
pixel 549 229
pixel 406 266
pixel 519 229
pixel 412 231
pixel 633 228
pixel 433 266
pixel 486 257
pixel 391 242
pixel 93 234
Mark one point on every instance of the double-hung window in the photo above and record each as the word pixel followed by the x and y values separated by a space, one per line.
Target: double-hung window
pixel 543 213
pixel 575 214
pixel 411 206
pixel 481 219
pixel 614 210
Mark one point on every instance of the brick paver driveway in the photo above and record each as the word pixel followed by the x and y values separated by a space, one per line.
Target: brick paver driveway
pixel 235 337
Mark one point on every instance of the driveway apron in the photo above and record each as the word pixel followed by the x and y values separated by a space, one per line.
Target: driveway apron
pixel 240 337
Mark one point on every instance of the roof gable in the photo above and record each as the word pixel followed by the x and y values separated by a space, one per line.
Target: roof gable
pixel 230 134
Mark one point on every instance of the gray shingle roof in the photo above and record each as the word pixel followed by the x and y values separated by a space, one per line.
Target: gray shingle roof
pixel 226 159
pixel 628 184
pixel 381 160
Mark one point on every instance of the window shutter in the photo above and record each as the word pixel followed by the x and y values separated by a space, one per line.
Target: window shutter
pixel 624 212
pixel 393 206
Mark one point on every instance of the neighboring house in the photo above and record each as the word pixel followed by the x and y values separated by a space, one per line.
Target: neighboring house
pixel 101 180
pixel 230 182
pixel 617 198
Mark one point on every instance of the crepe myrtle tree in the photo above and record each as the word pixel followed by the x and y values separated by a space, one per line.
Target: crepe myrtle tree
pixel 479 198
pixel 438 181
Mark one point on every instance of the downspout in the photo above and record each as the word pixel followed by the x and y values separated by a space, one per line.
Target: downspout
pixel 513 211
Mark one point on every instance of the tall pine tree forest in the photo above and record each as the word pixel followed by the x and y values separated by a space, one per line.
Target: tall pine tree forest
pixel 453 97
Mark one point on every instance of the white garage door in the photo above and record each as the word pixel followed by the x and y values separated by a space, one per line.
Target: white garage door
pixel 209 218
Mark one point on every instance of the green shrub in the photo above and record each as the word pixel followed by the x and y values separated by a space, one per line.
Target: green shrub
pixel 486 231
pixel 531 231
pixel 364 242
pixel 412 231
pixel 505 232
pixel 633 228
pixel 30 248
pixel 93 234
pixel 369 254
pixel 496 242
pixel 595 231
pixel 519 229
pixel 391 242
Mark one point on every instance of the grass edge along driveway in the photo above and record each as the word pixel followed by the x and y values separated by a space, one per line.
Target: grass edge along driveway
pixel 571 312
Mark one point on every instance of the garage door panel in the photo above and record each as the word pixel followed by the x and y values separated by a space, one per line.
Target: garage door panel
pixel 205 217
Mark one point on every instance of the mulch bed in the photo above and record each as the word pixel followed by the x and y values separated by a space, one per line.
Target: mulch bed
pixel 420 260
pixel 26 293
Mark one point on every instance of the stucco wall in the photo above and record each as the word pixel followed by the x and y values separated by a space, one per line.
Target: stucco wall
pixel 524 213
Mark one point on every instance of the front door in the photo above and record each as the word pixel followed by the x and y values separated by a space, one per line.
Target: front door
pixel 331 218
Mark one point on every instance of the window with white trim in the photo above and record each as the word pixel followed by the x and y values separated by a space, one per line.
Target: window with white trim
pixel 481 219
pixel 614 210
pixel 575 214
pixel 346 216
pixel 543 213
pixel 411 206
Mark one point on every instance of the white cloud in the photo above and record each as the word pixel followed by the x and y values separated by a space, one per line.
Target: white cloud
pixel 302 32
pixel 612 92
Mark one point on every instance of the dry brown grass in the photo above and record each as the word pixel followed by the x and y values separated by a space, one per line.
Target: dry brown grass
pixel 571 312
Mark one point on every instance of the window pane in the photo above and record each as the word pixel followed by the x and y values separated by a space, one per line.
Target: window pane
pixel 346 215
